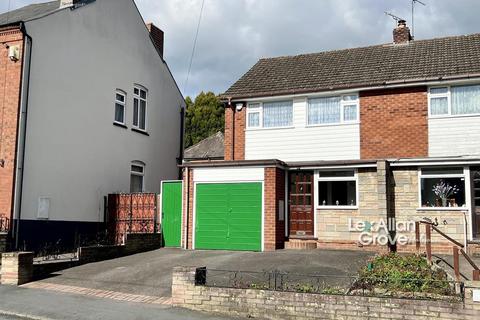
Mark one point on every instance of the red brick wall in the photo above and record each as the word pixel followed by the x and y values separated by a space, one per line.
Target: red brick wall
pixel 394 123
pixel 10 75
pixel 274 190
pixel 239 134
pixel 187 216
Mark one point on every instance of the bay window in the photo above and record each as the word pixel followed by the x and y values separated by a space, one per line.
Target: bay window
pixel 331 110
pixel 277 114
pixel 337 188
pixel 442 188
pixel 454 100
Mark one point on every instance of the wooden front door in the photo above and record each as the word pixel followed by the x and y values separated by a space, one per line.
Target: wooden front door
pixel 301 204
pixel 475 181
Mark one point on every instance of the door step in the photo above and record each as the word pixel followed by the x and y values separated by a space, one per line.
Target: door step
pixel 300 244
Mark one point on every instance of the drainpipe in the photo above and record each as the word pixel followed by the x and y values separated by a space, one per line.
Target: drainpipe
pixel 22 131
pixel 232 152
pixel 182 137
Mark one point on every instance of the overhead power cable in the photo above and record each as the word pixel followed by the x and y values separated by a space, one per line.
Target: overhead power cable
pixel 194 47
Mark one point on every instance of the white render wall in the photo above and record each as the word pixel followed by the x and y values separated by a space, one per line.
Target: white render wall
pixel 454 136
pixel 302 143
pixel 74 154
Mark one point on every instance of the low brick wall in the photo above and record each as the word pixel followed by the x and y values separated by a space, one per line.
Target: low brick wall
pixel 135 243
pixel 264 304
pixel 17 268
pixel 16 263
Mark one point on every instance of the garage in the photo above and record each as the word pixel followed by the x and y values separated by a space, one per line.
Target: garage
pixel 228 216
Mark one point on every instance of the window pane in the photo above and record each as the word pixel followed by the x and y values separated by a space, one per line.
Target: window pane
pixel 443 192
pixel 326 174
pixel 254 119
pixel 277 114
pixel 350 112
pixel 120 97
pixel 136 168
pixel 441 171
pixel 119 112
pixel 352 97
pixel 465 99
pixel 337 193
pixel 324 110
pixel 439 90
pixel 143 108
pixel 439 106
pixel 135 112
pixel 135 91
pixel 143 94
pixel 136 183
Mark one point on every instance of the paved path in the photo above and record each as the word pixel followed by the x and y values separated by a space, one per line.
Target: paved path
pixel 150 273
pixel 19 303
pixel 446 262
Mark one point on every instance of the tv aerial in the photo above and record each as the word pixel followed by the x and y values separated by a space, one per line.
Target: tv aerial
pixel 413 14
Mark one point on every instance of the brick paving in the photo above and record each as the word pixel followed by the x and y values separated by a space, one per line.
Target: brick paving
pixel 98 293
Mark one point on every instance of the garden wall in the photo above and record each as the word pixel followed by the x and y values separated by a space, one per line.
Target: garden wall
pixel 265 304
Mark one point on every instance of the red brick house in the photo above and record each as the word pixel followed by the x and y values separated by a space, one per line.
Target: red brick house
pixel 337 142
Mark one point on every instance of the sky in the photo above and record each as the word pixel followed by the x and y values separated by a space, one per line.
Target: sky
pixel 234 34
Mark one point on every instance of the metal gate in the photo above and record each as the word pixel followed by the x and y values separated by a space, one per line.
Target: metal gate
pixel 131 213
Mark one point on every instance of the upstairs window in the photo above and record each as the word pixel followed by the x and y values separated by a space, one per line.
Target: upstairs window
pixel 140 108
pixel 454 100
pixel 120 100
pixel 137 174
pixel 278 114
pixel 332 110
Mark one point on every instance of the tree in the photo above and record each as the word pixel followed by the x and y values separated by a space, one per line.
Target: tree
pixel 204 116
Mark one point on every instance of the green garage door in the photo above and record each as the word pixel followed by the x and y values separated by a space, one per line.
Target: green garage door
pixel 228 216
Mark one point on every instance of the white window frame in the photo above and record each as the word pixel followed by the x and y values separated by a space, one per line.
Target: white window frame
pixel 259 106
pixel 317 178
pixel 139 98
pixel 136 173
pixel 449 101
pixel 343 103
pixel 124 104
pixel 255 108
pixel 465 175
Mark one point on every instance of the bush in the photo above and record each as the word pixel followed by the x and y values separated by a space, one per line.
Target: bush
pixel 403 273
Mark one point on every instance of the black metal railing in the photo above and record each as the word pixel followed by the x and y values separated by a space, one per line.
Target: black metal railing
pixel 331 284
pixel 4 224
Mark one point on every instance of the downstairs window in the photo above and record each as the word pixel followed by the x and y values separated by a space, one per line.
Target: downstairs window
pixel 442 188
pixel 337 189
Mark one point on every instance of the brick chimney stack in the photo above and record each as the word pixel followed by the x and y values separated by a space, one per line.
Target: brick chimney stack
pixel 157 36
pixel 401 34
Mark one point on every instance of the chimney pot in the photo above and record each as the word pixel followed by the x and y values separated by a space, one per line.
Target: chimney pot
pixel 401 34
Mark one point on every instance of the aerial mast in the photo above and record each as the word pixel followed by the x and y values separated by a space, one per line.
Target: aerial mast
pixel 413 15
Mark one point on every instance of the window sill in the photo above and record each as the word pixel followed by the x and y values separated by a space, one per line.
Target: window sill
pixel 332 124
pixel 442 209
pixel 450 116
pixel 118 124
pixel 337 207
pixel 270 128
pixel 140 131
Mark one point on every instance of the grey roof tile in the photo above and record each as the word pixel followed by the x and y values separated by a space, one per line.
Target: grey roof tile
pixel 28 12
pixel 209 148
pixel 419 60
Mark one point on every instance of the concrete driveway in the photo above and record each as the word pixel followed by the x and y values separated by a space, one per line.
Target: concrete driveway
pixel 150 273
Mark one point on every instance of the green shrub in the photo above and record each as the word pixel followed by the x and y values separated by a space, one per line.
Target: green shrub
pixel 403 273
